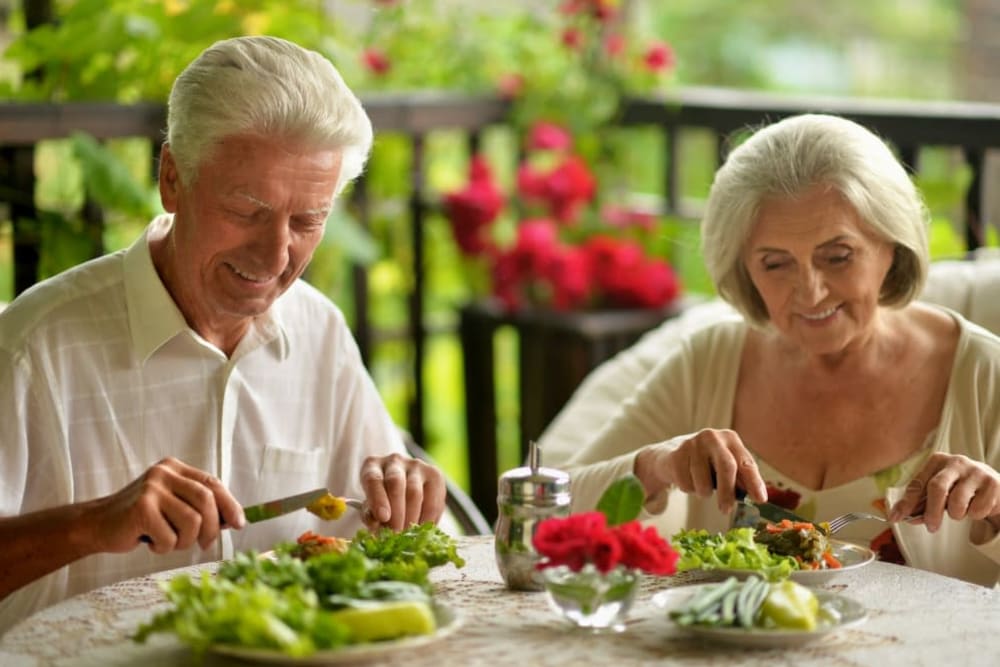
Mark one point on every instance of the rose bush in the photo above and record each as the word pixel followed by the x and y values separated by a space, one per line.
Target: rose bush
pixel 565 252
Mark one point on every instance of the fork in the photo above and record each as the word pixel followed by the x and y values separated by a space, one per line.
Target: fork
pixel 839 522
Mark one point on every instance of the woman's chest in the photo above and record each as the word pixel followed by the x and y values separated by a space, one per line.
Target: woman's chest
pixel 826 443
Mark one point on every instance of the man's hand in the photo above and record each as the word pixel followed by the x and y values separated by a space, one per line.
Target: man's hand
pixel 401 491
pixel 172 503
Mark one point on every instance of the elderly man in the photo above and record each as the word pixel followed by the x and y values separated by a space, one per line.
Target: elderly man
pixel 147 394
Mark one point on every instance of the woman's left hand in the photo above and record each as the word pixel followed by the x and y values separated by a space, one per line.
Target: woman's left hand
pixel 951 483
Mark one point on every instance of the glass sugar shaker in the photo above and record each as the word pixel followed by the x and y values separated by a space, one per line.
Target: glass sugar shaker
pixel 526 496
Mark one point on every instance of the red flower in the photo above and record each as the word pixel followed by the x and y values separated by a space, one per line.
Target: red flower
pixel 569 540
pixel 549 137
pixel 572 39
pixel 583 538
pixel 563 190
pixel 471 211
pixel 644 549
pixel 614 44
pixel 569 276
pixel 376 61
pixel 659 57
pixel 555 259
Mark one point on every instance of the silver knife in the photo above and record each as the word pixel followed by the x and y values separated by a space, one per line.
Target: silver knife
pixel 748 514
pixel 280 506
pixel 271 508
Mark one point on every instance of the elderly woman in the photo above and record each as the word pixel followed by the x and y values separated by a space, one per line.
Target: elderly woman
pixel 835 390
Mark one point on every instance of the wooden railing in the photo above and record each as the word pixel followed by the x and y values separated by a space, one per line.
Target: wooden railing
pixel 970 128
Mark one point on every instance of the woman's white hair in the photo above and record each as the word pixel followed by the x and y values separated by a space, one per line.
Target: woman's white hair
pixel 269 87
pixel 786 159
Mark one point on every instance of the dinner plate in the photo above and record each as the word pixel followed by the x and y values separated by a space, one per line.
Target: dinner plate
pixel 850 612
pixel 447 622
pixel 851 557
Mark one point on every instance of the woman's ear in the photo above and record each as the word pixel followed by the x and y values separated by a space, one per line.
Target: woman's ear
pixel 169 180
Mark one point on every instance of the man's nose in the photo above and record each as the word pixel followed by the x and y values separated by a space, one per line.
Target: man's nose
pixel 273 244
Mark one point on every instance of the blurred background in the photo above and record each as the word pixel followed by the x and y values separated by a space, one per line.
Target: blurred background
pixel 628 82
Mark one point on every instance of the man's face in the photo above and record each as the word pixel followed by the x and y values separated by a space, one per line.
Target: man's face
pixel 246 229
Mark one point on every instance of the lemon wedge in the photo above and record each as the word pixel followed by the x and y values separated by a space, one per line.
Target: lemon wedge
pixel 389 620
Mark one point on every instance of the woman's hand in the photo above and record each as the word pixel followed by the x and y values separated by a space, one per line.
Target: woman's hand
pixel 954 484
pixel 401 491
pixel 691 465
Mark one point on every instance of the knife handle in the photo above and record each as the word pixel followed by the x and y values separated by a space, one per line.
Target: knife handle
pixel 146 539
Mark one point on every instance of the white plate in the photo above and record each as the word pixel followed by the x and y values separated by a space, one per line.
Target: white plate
pixel 851 557
pixel 447 622
pixel 851 614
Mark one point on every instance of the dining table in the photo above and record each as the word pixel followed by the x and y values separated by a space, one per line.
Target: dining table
pixel 914 618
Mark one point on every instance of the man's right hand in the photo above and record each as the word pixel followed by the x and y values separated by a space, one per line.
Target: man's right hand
pixel 172 503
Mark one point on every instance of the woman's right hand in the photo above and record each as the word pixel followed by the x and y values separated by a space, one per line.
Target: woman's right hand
pixel 690 467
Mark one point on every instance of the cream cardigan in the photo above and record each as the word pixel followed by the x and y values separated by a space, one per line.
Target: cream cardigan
pixel 692 387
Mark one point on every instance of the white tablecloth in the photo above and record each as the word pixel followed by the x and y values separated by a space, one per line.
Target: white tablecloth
pixel 916 618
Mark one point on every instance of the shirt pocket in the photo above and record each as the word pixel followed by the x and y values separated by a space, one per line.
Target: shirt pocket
pixel 286 471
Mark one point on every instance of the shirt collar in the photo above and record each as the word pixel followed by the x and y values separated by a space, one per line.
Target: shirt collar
pixel 154 318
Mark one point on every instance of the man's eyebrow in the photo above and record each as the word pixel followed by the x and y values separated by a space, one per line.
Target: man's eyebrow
pixel 319 211
pixel 254 200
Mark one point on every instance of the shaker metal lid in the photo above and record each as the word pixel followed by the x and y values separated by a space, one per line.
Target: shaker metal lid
pixel 533 484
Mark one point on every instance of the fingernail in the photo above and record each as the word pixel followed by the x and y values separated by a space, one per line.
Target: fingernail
pixel 384 514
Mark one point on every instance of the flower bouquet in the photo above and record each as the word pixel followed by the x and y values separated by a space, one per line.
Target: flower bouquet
pixel 591 562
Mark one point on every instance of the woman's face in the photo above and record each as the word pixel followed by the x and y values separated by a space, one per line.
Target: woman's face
pixel 818 268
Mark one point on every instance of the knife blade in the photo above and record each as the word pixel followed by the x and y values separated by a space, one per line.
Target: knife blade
pixel 275 508
pixel 748 514
pixel 280 506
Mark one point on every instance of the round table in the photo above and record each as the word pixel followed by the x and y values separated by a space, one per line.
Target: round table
pixel 915 618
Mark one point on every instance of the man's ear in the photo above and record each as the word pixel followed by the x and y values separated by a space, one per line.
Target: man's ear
pixel 169 179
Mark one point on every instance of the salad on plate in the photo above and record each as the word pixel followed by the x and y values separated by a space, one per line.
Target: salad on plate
pixel 318 594
pixel 772 550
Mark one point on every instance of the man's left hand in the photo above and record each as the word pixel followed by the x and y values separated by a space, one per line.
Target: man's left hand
pixel 401 491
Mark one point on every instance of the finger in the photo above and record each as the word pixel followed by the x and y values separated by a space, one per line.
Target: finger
pixel 938 488
pixel 701 475
pixel 959 498
pixel 435 492
pixel 394 474
pixel 199 496
pixel 916 490
pixel 173 525
pixel 414 494
pixel 725 479
pixel 749 478
pixel 678 466
pixel 373 482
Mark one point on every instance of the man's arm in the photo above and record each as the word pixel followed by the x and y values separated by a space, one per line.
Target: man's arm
pixel 37 544
pixel 172 504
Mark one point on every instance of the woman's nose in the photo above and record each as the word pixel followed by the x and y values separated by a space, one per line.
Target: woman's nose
pixel 810 286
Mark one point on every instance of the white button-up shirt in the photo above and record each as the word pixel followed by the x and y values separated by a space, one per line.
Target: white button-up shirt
pixel 100 377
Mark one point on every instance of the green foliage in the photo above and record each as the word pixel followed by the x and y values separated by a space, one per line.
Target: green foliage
pixel 622 500
pixel 130 50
